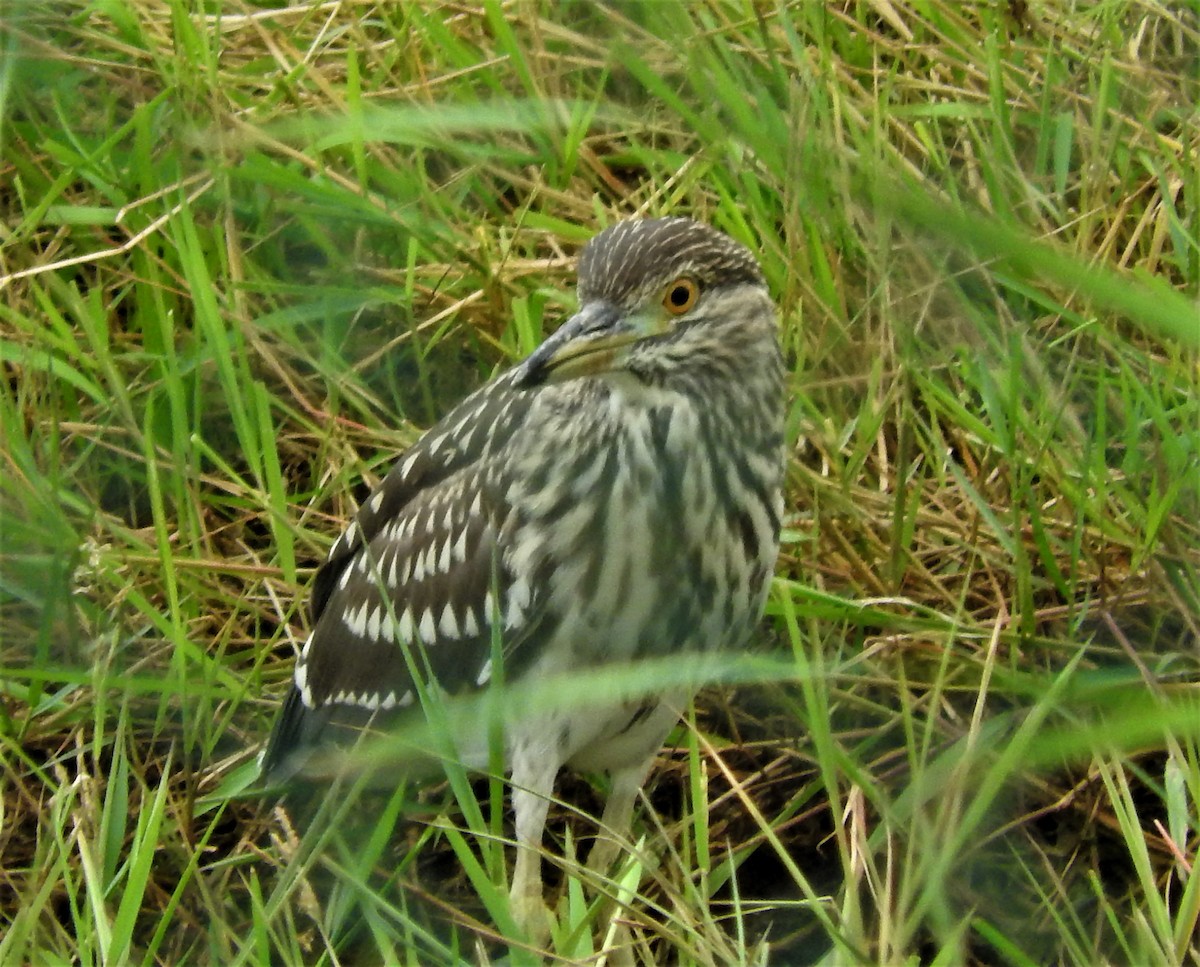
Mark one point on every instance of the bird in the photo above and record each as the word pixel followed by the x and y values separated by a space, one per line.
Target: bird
pixel 615 496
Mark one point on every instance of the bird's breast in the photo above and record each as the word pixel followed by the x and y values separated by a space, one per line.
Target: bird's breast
pixel 663 540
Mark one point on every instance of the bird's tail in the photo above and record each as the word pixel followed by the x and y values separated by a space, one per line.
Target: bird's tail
pixel 296 736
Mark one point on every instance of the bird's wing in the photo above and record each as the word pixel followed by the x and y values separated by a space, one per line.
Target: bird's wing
pixel 416 587
pixel 481 423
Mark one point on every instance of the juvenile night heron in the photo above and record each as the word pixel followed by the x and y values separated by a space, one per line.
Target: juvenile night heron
pixel 616 496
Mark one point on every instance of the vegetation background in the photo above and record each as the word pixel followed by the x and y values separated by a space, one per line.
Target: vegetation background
pixel 248 249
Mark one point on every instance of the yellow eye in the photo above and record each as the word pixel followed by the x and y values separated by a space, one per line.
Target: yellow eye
pixel 680 296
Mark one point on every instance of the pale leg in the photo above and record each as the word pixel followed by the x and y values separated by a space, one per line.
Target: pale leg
pixel 533 785
pixel 618 815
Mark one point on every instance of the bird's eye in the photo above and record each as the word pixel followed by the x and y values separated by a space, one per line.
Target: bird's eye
pixel 680 296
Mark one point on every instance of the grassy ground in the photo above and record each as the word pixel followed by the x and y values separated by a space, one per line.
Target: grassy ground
pixel 247 251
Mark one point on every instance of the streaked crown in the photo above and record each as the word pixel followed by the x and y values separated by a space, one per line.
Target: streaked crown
pixel 631 258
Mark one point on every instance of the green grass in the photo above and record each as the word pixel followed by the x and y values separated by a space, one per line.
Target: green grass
pixel 247 252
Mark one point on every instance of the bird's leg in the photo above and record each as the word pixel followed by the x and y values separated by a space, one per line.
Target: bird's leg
pixel 532 785
pixel 613 833
pixel 618 814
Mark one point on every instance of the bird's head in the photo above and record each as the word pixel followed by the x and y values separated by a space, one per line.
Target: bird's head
pixel 656 295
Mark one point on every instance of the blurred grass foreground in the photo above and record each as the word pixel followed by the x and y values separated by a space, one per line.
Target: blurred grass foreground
pixel 248 250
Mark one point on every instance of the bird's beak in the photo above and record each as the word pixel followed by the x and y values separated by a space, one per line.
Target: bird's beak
pixel 592 341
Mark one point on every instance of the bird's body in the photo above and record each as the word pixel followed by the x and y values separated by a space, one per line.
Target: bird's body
pixel 615 497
